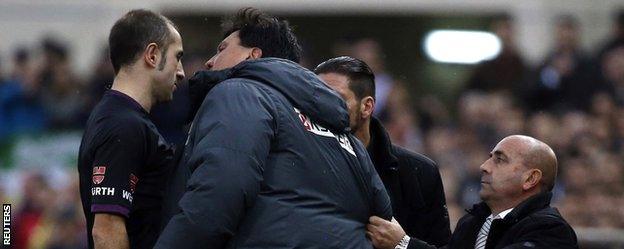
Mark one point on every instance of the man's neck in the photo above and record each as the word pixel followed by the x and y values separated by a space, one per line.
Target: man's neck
pixel 501 205
pixel 497 209
pixel 135 87
pixel 363 133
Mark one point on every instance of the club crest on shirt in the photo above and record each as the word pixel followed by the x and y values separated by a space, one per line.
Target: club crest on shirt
pixel 133 182
pixel 98 174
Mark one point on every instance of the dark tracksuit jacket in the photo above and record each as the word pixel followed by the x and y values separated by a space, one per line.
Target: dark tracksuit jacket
pixel 270 163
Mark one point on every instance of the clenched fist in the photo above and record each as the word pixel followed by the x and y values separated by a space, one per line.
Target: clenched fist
pixel 384 234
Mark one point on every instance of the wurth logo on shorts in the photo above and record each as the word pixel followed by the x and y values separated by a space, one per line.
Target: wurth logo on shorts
pixel 98 174
pixel 310 126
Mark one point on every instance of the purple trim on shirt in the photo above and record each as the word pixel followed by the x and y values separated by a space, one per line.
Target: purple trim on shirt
pixel 110 208
pixel 129 100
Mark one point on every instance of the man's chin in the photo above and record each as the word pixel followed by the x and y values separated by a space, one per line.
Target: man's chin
pixel 165 99
pixel 484 195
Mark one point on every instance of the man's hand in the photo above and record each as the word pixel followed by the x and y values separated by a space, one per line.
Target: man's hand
pixel 384 234
pixel 109 231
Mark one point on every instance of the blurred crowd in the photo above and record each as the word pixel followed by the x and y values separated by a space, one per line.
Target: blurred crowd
pixel 573 100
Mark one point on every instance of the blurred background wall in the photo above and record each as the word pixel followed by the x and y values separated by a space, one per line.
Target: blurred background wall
pixel 558 75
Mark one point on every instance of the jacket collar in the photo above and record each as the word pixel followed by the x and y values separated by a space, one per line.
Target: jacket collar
pixel 380 147
pixel 528 206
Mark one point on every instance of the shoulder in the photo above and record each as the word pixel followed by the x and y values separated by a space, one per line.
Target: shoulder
pixel 409 160
pixel 237 87
pixel 242 91
pixel 545 223
pixel 120 124
pixel 548 216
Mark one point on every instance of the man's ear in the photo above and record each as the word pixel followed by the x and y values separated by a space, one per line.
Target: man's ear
pixel 367 106
pixel 531 179
pixel 255 53
pixel 151 56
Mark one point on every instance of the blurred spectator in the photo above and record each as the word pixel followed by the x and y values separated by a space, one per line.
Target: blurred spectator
pixel 36 200
pixel 60 91
pixel 617 36
pixel 369 51
pixel 101 79
pixel 20 109
pixel 507 71
pixel 563 80
pixel 401 122
pixel 613 73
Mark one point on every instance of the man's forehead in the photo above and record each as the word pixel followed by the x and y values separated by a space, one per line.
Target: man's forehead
pixel 334 78
pixel 511 146
pixel 231 38
pixel 175 33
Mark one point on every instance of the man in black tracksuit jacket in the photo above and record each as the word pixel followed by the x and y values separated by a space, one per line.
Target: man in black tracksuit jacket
pixel 411 179
pixel 269 161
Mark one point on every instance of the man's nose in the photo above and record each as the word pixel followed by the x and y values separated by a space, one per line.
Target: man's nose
pixel 180 75
pixel 209 64
pixel 483 167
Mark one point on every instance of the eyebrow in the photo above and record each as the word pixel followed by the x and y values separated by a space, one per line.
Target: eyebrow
pixel 500 153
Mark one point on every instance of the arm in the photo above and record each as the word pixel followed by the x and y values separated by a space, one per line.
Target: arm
pixel 234 130
pixel 109 231
pixel 439 225
pixel 387 234
pixel 116 161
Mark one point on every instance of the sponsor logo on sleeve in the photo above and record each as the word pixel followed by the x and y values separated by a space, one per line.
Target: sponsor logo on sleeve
pixel 126 195
pixel 98 174
pixel 133 182
pixel 308 125
pixel 102 191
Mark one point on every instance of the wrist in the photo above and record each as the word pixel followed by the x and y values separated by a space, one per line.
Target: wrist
pixel 403 243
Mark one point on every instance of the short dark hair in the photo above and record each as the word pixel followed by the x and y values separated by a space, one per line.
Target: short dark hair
pixel 133 32
pixel 257 29
pixel 361 77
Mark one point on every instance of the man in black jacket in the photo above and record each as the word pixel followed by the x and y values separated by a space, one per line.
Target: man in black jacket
pixel 411 179
pixel 269 161
pixel 515 213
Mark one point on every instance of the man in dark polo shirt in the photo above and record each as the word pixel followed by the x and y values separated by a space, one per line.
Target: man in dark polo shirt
pixel 411 179
pixel 124 161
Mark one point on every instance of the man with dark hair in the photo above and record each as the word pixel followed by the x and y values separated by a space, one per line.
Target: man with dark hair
pixel 412 180
pixel 516 185
pixel 269 161
pixel 124 161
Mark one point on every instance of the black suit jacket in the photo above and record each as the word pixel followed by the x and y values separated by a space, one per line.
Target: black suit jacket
pixel 414 185
pixel 531 224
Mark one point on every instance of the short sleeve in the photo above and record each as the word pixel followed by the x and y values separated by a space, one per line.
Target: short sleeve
pixel 115 166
